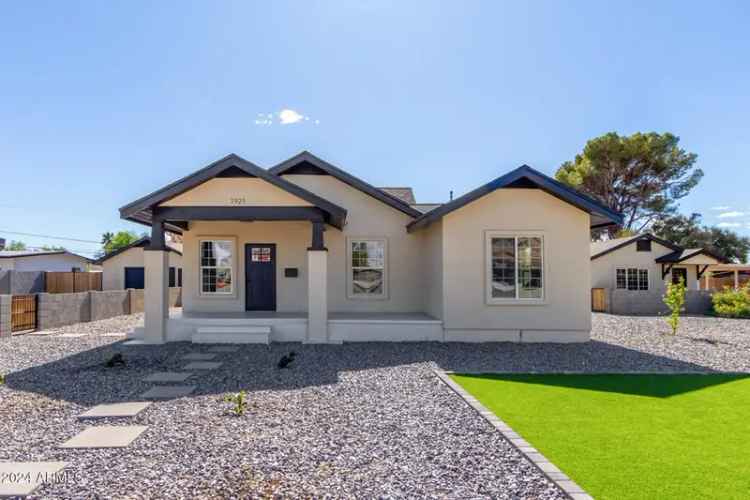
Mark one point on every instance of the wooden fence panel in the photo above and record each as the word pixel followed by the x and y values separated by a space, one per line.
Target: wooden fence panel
pixel 598 300
pixel 23 313
pixel 70 282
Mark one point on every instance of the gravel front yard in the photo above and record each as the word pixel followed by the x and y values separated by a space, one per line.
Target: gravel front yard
pixel 358 420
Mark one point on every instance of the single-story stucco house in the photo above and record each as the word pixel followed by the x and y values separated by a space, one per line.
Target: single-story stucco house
pixel 124 268
pixel 634 272
pixel 51 261
pixel 305 251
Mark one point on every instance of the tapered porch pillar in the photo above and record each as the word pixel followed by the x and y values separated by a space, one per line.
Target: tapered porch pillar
pixel 317 288
pixel 156 283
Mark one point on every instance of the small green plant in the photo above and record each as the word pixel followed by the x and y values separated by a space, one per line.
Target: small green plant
pixel 240 402
pixel 732 303
pixel 675 300
pixel 2 379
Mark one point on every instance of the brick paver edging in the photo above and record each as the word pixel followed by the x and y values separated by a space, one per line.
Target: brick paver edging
pixel 532 454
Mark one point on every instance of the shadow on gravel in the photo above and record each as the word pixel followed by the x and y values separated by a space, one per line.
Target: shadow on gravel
pixel 83 378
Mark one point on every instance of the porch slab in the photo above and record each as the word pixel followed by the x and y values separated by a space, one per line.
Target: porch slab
pixel 129 409
pixel 199 356
pixel 202 365
pixel 105 436
pixel 22 478
pixel 168 392
pixel 168 377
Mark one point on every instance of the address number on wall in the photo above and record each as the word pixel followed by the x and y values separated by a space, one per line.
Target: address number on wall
pixel 237 201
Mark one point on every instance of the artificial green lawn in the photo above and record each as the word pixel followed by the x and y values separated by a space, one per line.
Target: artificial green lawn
pixel 632 436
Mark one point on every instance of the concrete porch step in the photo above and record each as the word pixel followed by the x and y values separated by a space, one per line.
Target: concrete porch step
pixel 232 335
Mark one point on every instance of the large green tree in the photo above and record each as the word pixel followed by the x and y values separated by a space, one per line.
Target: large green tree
pixel 689 233
pixel 119 240
pixel 16 246
pixel 641 175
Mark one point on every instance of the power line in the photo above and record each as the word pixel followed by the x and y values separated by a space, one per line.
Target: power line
pixel 50 237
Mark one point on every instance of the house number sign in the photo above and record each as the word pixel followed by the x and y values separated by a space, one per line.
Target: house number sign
pixel 237 201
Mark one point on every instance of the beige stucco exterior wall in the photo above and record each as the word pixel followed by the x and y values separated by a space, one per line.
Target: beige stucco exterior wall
pixel 603 268
pixel 366 218
pixel 234 191
pixel 566 308
pixel 113 269
pixel 432 269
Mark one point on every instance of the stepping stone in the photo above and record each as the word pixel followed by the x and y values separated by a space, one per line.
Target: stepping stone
pixel 202 365
pixel 224 348
pixel 168 392
pixel 168 377
pixel 198 356
pixel 22 478
pixel 115 410
pixel 105 436
pixel 72 335
pixel 114 334
pixel 41 333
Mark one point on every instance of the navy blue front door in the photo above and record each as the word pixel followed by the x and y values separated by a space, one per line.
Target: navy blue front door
pixel 134 277
pixel 260 277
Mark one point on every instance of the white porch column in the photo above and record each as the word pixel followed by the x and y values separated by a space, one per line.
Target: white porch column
pixel 156 283
pixel 736 279
pixel 317 288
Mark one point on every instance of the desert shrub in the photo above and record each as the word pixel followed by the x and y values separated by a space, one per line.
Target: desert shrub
pixel 240 402
pixel 732 303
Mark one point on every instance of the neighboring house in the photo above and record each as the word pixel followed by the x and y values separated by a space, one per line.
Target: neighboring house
pixel 307 252
pixel 124 268
pixel 24 260
pixel 635 271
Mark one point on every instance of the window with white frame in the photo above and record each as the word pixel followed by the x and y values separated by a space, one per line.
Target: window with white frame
pixel 216 257
pixel 631 279
pixel 367 268
pixel 515 267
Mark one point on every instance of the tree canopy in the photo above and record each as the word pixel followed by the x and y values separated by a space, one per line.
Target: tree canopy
pixel 641 175
pixel 16 246
pixel 689 233
pixel 116 241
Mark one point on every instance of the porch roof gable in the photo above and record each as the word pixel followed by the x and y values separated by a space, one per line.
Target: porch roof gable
pixel 232 165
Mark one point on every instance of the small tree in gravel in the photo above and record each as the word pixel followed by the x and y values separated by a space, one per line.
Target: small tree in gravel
pixel 675 299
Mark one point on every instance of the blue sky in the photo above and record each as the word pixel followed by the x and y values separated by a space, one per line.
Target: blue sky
pixel 103 102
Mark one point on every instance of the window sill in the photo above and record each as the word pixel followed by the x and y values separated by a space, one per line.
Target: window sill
pixel 365 298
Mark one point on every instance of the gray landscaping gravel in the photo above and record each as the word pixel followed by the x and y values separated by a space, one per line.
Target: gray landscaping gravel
pixel 358 420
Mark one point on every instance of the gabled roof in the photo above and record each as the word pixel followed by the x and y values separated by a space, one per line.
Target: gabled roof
pixel 405 194
pixel 600 248
pixel 684 254
pixel 140 242
pixel 526 177
pixel 425 207
pixel 307 163
pixel 229 166
pixel 12 254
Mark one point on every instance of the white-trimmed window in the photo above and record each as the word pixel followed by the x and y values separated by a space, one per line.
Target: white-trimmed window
pixel 367 273
pixel 515 267
pixel 216 263
pixel 631 279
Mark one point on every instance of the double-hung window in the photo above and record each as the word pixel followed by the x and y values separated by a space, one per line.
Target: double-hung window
pixel 216 263
pixel 367 268
pixel 515 267
pixel 631 279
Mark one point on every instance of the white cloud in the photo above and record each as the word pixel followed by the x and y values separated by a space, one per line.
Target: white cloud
pixel 729 224
pixel 722 207
pixel 284 117
pixel 731 214
pixel 287 116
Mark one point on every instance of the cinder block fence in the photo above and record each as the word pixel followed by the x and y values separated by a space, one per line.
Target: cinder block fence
pixel 60 309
